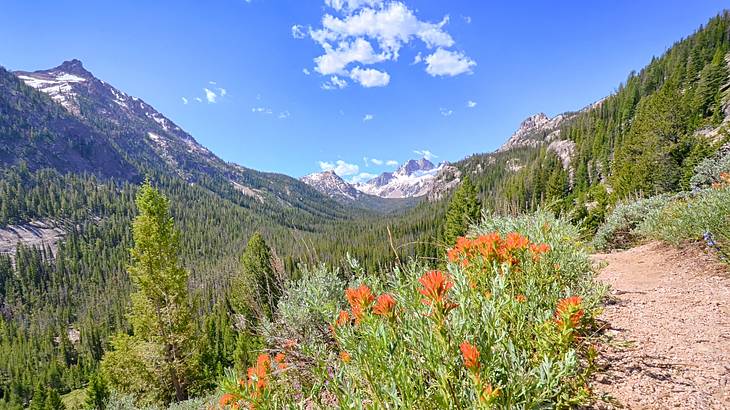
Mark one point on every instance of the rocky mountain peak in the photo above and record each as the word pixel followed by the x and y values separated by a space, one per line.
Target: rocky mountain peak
pixel 330 184
pixel 73 67
pixel 413 166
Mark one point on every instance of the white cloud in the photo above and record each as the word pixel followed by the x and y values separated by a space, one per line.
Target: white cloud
pixel 198 99
pixel 417 59
pixel 366 160
pixel 362 177
pixel 306 71
pixel 210 96
pixel 222 92
pixel 391 163
pixel 467 19
pixel 370 77
pixel 368 117
pixel 297 31
pixel 376 161
pixel 184 100
pixel 262 110
pixel 212 82
pixel 335 60
pixel 471 104
pixel 340 167
pixel 425 154
pixel 368 32
pixel 335 83
pixel 448 63
pixel 351 5
pixel 284 115
pixel 445 112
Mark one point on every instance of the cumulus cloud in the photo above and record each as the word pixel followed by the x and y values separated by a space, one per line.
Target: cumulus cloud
pixel 448 63
pixel 370 77
pixel 335 83
pixel 306 71
pixel 222 92
pixel 184 100
pixel 198 99
pixel 471 104
pixel 376 161
pixel 425 154
pixel 446 113
pixel 391 163
pixel 368 32
pixel 467 19
pixel 368 117
pixel 340 167
pixel 284 115
pixel 210 96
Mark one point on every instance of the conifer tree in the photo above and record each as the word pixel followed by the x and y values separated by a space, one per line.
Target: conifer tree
pixel 97 393
pixel 160 314
pixel 464 209
pixel 256 289
pixel 53 401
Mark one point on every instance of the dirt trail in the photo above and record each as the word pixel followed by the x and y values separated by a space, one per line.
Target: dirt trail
pixel 668 322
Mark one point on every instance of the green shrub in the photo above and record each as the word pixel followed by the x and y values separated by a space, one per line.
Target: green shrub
pixel 507 325
pixel 705 215
pixel 708 171
pixel 619 231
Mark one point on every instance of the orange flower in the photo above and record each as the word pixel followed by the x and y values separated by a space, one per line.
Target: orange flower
pixel 538 250
pixel 435 285
pixel 345 357
pixel 359 299
pixel 489 394
pixel 569 312
pixel 343 318
pixel 227 399
pixel 521 298
pixel 515 241
pixel 258 376
pixel 290 343
pixel 471 356
pixel 384 305
pixel 279 360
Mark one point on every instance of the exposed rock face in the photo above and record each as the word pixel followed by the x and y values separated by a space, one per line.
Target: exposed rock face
pixel 332 185
pixel 35 233
pixel 532 131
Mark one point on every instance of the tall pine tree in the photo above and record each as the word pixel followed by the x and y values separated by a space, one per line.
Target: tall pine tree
pixel 464 209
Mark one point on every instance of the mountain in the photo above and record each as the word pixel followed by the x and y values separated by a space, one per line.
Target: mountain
pixel 332 185
pixel 415 178
pixel 74 122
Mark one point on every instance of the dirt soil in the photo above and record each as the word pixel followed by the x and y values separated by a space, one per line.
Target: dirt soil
pixel 667 330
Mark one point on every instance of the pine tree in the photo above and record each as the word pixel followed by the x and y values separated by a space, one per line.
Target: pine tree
pixel 97 393
pixel 256 289
pixel 464 209
pixel 38 401
pixel 160 314
pixel 53 401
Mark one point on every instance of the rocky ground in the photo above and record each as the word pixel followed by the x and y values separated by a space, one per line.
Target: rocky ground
pixel 667 330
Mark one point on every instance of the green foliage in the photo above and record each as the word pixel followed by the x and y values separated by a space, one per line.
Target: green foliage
pixel 621 228
pixel 409 356
pixel 258 287
pixel 160 314
pixel 464 209
pixel 708 171
pixel 97 393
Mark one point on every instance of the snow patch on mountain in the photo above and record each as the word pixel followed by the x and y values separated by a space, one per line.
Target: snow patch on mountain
pixel 413 179
pixel 330 184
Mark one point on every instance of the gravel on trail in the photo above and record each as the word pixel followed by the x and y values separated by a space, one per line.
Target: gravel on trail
pixel 667 330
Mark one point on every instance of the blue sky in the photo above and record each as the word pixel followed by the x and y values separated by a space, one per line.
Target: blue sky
pixel 483 67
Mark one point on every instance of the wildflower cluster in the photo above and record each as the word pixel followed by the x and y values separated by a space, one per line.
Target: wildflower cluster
pixel 494 248
pixel 723 181
pixel 252 390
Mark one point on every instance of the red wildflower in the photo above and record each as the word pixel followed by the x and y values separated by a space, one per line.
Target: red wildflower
pixel 435 285
pixel 359 299
pixel 471 356
pixel 515 241
pixel 384 305
pixel 291 343
pixel 345 357
pixel 227 399
pixel 258 376
pixel 538 250
pixel 569 311
pixel 279 360
pixel 521 298
pixel 343 318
